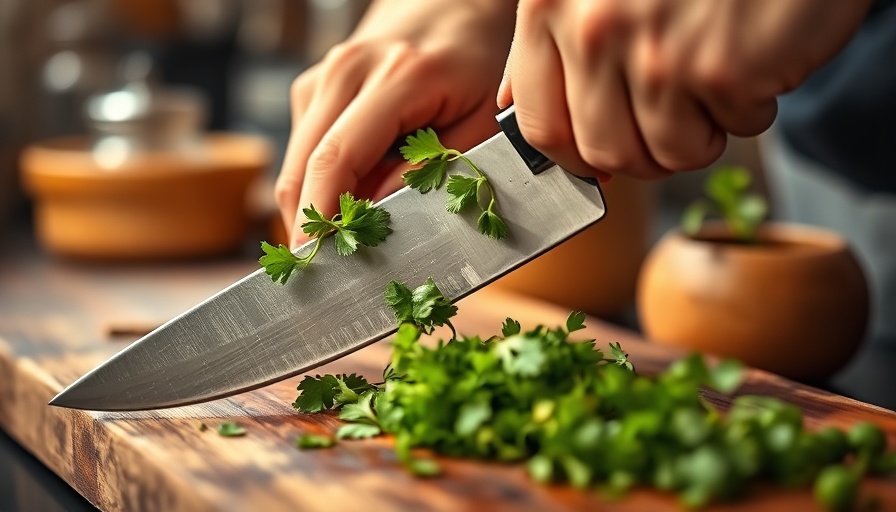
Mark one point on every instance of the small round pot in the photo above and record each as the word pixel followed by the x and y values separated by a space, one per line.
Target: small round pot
pixel 795 303
pixel 152 206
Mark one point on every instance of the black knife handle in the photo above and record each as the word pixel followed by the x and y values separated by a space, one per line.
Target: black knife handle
pixel 533 158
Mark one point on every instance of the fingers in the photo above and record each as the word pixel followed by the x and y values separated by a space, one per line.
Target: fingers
pixel 535 69
pixel 606 134
pixel 384 108
pixel 319 97
pixel 677 129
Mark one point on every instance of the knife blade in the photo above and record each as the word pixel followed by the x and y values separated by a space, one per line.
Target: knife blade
pixel 256 332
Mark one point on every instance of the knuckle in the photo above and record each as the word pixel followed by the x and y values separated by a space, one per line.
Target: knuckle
pixel 609 160
pixel 719 75
pixel 543 135
pixel 599 23
pixel 537 6
pixel 682 161
pixel 653 71
pixel 286 190
pixel 341 53
pixel 325 158
pixel 302 85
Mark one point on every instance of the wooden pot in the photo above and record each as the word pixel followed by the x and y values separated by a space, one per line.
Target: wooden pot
pixel 596 270
pixel 796 303
pixel 153 205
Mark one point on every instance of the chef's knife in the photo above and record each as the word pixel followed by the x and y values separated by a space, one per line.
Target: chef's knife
pixel 256 332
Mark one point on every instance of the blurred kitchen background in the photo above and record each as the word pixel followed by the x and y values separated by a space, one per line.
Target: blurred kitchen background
pixel 239 55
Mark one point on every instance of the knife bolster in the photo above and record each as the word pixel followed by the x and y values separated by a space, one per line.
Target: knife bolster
pixel 531 156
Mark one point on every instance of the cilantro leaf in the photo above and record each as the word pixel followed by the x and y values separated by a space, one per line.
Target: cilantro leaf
pixel 575 321
pixel 727 375
pixel 316 393
pixel 319 393
pixel 471 416
pixel 428 177
pixel 425 145
pixel 510 327
pixel 430 307
pixel 424 467
pixel 312 441
pixel 492 225
pixel 370 225
pixel 230 429
pixel 400 299
pixel 621 356
pixel 425 306
pixel 358 223
pixel 462 192
pixel 316 225
pixel 361 411
pixel 358 431
pixel 346 242
pixel 521 355
pixel 280 262
pixel 350 388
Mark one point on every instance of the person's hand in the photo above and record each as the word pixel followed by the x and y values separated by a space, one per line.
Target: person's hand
pixel 651 87
pixel 408 65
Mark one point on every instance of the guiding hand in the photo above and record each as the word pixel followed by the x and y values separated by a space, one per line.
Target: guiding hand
pixel 653 87
pixel 407 65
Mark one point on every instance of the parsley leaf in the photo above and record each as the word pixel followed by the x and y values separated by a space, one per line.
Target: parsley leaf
pixel 621 356
pixel 463 191
pixel 319 393
pixel 521 355
pixel 425 145
pixel 279 262
pixel 316 393
pixel 312 441
pixel 230 429
pixel 510 327
pixel 428 177
pixel 576 321
pixel 492 225
pixel 358 222
pixel 425 306
pixel 358 431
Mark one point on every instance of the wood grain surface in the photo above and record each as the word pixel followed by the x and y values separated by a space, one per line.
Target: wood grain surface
pixel 58 319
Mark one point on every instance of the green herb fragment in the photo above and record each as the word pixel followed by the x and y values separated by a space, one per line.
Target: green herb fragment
pixel 230 429
pixel 836 488
pixel 510 327
pixel 574 413
pixel 201 426
pixel 358 222
pixel 463 191
pixel 424 307
pixel 319 393
pixel 313 442
pixel 726 188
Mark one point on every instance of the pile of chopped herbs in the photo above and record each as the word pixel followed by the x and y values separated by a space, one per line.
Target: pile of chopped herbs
pixel 578 414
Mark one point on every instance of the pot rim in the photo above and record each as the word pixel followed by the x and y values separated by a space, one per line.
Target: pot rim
pixel 773 237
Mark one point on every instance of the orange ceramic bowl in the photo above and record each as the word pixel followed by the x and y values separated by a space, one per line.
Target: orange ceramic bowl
pixel 153 205
pixel 795 304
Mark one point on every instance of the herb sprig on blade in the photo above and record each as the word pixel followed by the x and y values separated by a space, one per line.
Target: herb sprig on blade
pixel 463 191
pixel 357 223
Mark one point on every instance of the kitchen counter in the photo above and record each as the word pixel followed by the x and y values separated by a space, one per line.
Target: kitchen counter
pixel 59 318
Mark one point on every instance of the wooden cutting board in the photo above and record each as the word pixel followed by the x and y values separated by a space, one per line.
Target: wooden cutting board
pixel 55 323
